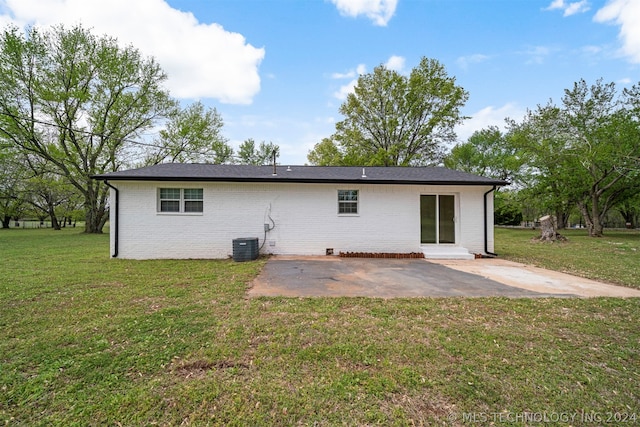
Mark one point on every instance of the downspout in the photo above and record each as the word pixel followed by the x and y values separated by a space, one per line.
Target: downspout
pixel 115 239
pixel 486 224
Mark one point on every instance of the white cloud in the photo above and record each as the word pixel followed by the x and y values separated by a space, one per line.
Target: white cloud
pixel 626 14
pixel 591 50
pixel 379 11
pixel 577 7
pixel 395 63
pixel 569 8
pixel 201 60
pixel 352 74
pixel 464 61
pixel 489 116
pixel 555 4
pixel 348 75
pixel 537 54
pixel 345 90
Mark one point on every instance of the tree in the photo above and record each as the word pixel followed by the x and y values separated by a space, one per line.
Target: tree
pixel 326 153
pixel 585 152
pixel 488 152
pixel 507 208
pixel 397 120
pixel 249 154
pixel 604 139
pixel 547 174
pixel 46 191
pixel 12 180
pixel 76 101
pixel 629 209
pixel 191 135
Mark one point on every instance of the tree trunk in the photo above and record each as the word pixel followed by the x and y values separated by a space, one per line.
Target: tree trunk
pixel 591 219
pixel 629 219
pixel 563 219
pixel 597 228
pixel 93 223
pixel 629 216
pixel 548 230
pixel 6 220
pixel 55 224
pixel 598 216
pixel 51 210
pixel 95 212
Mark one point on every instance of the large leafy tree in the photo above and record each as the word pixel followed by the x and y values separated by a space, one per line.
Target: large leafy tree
pixel 326 153
pixel 191 135
pixel 77 100
pixel 488 152
pixel 584 152
pixel 396 120
pixel 251 154
pixel 547 175
pixel 604 138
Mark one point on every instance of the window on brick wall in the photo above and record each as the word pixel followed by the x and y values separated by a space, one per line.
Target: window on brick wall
pixel 348 202
pixel 180 200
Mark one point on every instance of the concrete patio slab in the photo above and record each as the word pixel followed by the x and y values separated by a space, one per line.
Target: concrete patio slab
pixel 392 278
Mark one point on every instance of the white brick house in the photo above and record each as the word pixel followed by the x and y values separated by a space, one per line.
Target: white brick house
pixel 197 210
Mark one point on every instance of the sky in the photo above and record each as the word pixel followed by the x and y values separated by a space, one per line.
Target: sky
pixel 278 70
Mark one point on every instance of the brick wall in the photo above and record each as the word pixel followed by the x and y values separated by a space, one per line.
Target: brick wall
pixel 305 215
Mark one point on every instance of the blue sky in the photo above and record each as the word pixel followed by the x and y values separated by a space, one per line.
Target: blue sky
pixel 278 70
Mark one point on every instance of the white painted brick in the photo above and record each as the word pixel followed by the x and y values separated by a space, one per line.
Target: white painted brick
pixel 305 215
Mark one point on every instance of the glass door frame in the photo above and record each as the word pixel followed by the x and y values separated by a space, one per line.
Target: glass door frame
pixel 437 225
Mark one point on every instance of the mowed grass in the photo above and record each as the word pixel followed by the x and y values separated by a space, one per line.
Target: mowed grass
pixel 86 340
pixel 614 258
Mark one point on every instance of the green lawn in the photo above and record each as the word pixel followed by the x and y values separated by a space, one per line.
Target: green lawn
pixel 86 340
pixel 614 258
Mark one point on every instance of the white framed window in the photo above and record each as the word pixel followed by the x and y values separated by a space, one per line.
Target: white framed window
pixel 347 202
pixel 180 200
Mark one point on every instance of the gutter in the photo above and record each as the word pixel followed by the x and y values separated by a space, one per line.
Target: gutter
pixel 115 240
pixel 299 180
pixel 486 224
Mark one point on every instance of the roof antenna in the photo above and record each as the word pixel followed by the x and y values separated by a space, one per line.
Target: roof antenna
pixel 364 175
pixel 273 154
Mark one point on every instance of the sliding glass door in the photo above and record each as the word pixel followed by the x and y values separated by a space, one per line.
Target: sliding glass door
pixel 437 218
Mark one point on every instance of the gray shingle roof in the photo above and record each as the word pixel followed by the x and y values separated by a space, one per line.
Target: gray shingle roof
pixel 305 174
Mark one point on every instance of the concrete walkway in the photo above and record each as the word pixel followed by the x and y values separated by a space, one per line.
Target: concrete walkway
pixel 390 278
pixel 537 279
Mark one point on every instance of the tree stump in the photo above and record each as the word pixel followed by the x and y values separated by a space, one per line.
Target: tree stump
pixel 548 230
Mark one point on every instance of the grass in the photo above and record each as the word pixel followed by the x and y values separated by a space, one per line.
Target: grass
pixel 90 341
pixel 614 258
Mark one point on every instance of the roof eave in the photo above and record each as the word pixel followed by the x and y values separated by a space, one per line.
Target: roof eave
pixel 276 179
